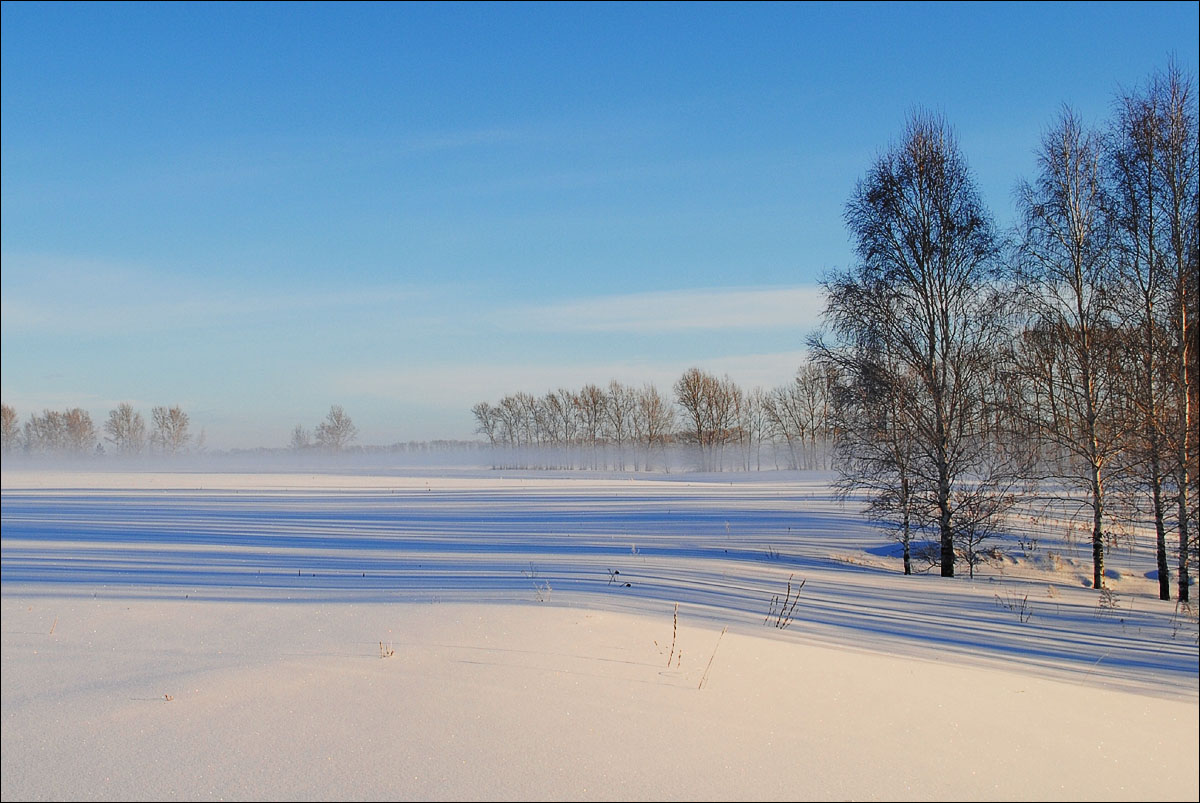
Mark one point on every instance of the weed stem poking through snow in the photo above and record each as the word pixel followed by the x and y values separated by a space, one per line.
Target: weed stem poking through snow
pixel 704 677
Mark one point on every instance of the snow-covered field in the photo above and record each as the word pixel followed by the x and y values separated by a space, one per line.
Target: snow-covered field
pixel 457 634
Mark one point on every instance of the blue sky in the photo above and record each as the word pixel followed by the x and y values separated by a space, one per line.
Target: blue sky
pixel 257 211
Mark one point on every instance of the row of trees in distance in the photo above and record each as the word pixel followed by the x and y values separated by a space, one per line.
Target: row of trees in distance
pixel 710 422
pixel 72 432
pixel 334 434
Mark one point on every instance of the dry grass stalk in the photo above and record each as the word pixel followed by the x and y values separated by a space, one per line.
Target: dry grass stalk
pixel 782 610
pixel 704 677
pixel 674 633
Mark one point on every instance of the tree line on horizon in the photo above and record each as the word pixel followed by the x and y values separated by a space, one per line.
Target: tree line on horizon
pixel 711 421
pixel 73 432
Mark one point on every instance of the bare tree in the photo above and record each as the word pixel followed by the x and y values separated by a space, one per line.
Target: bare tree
pixel 811 397
pixel 619 409
pixel 561 414
pixel 68 432
pixel 752 426
pixel 981 510
pixel 1178 169
pixel 126 430
pixel 727 400
pixel 530 415
pixel 337 431
pixel 694 392
pixel 487 421
pixel 877 446
pixel 80 431
pixel 1066 275
pixel 653 422
pixel 798 413
pixel 591 401
pixel 301 439
pixel 710 408
pixel 46 433
pixel 822 429
pixel 508 411
pixel 924 285
pixel 784 410
pixel 11 430
pixel 170 429
pixel 1133 147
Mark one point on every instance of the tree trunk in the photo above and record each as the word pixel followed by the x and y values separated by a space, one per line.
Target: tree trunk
pixel 947 533
pixel 1097 529
pixel 907 530
pixel 1185 430
pixel 1184 576
pixel 1160 533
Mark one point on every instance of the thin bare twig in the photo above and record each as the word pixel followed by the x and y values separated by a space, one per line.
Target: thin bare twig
pixel 704 677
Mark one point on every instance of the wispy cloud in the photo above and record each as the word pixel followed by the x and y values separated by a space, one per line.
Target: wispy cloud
pixel 44 295
pixel 714 309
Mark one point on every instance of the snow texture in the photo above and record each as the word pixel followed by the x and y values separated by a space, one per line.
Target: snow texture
pixel 449 635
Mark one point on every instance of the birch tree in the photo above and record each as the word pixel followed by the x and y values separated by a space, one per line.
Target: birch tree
pixel 1178 170
pixel 590 402
pixel 487 421
pixel 337 431
pixel 785 412
pixel 44 433
pixel 11 430
pixel 874 398
pixel 618 417
pixel 170 429
pixel 926 258
pixel 562 419
pixel 301 439
pixel 709 409
pixel 1066 274
pixel 1152 163
pixel 653 423
pixel 79 431
pixel 751 419
pixel 126 430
